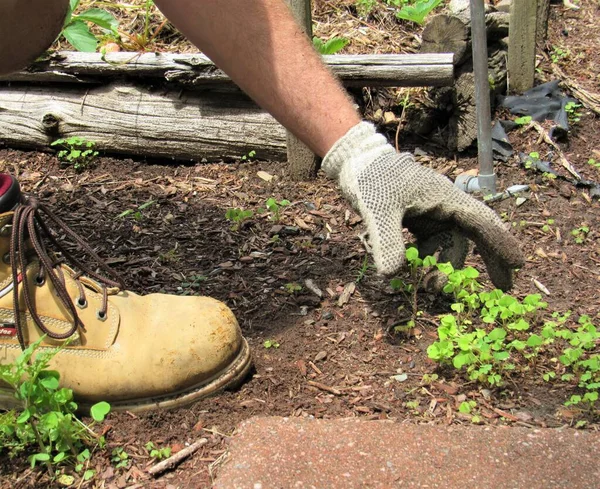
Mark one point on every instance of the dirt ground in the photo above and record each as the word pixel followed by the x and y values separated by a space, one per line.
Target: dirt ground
pixel 332 360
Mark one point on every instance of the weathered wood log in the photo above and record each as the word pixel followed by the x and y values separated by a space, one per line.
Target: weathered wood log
pixel 130 120
pixel 463 122
pixel 451 32
pixel 446 34
pixel 454 108
pixel 196 70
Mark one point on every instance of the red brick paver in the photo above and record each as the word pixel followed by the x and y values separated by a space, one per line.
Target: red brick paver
pixel 303 453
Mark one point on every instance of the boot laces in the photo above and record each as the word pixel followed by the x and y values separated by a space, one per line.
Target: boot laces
pixel 28 237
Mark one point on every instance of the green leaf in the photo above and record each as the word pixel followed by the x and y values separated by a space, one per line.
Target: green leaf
pixel 500 356
pixel 534 341
pixel 465 407
pixel 470 272
pixel 497 334
pixel 100 17
pixel 38 457
pixel 50 383
pixel 80 37
pixel 59 457
pixel 412 254
pixel 334 45
pixel 24 416
pixel 462 359
pixel 99 411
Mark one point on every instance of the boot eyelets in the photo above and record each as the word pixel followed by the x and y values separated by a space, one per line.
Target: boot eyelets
pixel 81 303
pixel 101 315
pixel 6 230
pixel 6 258
pixel 39 281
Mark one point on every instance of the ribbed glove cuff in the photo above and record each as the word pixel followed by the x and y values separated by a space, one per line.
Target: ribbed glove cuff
pixel 360 146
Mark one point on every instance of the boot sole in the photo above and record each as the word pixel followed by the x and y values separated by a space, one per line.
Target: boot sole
pixel 231 378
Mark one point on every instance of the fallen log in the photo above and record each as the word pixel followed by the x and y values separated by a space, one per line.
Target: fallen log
pixel 196 70
pixel 178 106
pixel 132 120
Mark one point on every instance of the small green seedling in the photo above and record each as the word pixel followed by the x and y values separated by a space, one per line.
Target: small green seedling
pixel 531 159
pixel 580 234
pixel 365 7
pixel 120 458
pixel 572 113
pixel 546 227
pixel 76 151
pixel 192 284
pixel 158 453
pixel 137 213
pixel 292 287
pixel 363 270
pixel 522 121
pixel 594 163
pixel 331 46
pixel 237 216
pixel 559 54
pixel 276 207
pixel 248 156
pixel 271 344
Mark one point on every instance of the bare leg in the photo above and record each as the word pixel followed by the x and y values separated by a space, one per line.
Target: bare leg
pixel 260 46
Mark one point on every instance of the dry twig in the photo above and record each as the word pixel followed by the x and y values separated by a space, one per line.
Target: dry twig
pixel 176 459
pixel 561 156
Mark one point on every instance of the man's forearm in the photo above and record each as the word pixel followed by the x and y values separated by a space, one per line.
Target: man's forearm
pixel 260 46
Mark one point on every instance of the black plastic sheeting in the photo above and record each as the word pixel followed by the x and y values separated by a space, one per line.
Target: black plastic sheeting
pixel 544 102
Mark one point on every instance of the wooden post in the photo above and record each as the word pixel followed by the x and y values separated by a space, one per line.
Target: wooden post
pixel 303 162
pixel 521 45
pixel 543 11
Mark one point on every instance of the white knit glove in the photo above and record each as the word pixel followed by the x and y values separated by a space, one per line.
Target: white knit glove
pixel 391 190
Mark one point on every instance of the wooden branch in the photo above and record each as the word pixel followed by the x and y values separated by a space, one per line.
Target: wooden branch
pixel 196 70
pixel 177 458
pixel 122 119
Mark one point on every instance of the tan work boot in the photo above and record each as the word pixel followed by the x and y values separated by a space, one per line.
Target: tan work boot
pixel 135 352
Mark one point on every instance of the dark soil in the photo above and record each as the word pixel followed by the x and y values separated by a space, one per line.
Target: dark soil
pixel 332 360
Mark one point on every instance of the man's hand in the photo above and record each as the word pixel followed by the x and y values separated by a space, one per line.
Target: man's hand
pixel 391 190
pixel 27 29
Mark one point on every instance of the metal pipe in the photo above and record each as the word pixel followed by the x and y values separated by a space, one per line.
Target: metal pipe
pixel 487 178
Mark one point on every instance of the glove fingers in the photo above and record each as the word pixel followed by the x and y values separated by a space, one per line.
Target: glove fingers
pixel 500 272
pixel 500 249
pixel 385 237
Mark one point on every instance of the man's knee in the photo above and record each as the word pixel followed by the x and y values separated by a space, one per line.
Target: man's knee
pixel 27 29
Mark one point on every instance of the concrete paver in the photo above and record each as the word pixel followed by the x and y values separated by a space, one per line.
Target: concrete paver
pixel 349 453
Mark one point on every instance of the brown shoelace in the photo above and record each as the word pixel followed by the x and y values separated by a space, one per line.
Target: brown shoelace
pixel 29 233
